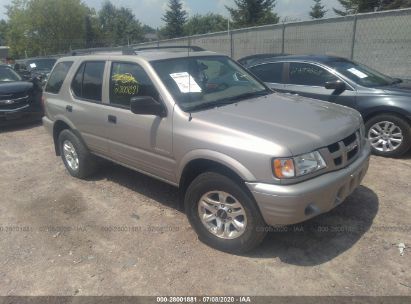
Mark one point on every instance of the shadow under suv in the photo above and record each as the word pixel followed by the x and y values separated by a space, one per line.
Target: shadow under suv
pixel 243 156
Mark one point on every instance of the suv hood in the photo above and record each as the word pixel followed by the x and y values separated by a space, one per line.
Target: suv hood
pixel 295 123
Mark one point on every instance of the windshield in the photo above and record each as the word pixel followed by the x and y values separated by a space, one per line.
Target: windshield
pixel 362 74
pixel 41 64
pixel 202 82
pixel 7 75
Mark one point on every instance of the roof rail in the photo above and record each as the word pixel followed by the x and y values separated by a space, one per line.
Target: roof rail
pixel 102 50
pixel 129 50
pixel 192 47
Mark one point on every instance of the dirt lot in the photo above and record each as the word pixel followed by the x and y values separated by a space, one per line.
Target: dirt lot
pixel 121 233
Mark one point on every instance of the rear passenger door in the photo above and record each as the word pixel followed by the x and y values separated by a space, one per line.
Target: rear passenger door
pixel 143 142
pixel 309 80
pixel 271 74
pixel 86 111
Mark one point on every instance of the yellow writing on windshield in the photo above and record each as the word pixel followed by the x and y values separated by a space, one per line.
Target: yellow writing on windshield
pixel 125 84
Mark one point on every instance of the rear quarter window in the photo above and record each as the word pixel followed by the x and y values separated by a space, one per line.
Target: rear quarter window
pixel 57 77
pixel 88 81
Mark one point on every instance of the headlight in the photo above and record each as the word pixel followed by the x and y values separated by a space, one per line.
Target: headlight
pixel 298 166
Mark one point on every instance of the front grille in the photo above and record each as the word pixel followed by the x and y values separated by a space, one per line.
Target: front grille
pixel 14 101
pixel 350 139
pixel 344 152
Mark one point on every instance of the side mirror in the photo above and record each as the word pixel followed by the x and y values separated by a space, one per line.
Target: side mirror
pixel 147 105
pixel 337 85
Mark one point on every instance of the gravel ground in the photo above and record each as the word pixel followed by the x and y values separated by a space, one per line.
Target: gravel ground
pixel 121 233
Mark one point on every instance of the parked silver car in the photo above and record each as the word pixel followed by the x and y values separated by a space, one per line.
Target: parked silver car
pixel 243 156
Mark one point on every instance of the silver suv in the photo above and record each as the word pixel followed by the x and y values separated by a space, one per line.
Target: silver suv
pixel 243 156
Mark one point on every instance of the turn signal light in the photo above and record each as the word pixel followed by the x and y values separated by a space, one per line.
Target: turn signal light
pixel 284 168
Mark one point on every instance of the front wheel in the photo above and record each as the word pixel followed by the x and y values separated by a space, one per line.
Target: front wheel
pixel 224 216
pixel 389 135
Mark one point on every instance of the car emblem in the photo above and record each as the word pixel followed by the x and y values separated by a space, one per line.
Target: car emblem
pixel 7 102
pixel 352 146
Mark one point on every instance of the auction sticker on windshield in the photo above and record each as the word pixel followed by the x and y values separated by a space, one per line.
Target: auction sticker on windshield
pixel 186 82
pixel 357 73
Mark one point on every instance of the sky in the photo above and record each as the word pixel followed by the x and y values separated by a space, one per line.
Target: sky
pixel 150 11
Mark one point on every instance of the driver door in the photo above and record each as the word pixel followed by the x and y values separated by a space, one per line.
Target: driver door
pixel 308 80
pixel 143 142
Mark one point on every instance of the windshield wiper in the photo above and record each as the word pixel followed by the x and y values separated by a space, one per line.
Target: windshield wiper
pixel 210 105
pixel 229 100
pixel 249 95
pixel 396 81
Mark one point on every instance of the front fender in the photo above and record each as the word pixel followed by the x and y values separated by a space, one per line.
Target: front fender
pixel 217 157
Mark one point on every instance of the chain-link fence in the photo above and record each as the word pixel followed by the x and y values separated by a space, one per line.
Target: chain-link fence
pixel 381 40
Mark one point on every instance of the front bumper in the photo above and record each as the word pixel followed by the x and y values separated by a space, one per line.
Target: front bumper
pixel 28 112
pixel 291 204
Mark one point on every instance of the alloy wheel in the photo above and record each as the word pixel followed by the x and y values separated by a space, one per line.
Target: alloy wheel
pixel 70 155
pixel 222 214
pixel 385 136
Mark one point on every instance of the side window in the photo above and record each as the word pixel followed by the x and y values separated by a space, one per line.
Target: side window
pixel 270 72
pixel 309 75
pixel 93 80
pixel 77 83
pixel 88 81
pixel 129 80
pixel 57 77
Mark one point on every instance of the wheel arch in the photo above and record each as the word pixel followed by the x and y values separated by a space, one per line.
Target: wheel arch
pixel 198 162
pixel 390 111
pixel 59 125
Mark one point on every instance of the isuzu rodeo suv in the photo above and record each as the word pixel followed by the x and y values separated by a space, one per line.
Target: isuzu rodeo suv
pixel 243 156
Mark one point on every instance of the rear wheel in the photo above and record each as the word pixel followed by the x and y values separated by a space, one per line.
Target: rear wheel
pixel 75 155
pixel 223 214
pixel 389 135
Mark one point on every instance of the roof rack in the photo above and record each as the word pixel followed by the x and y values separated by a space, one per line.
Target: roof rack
pixel 129 50
pixel 132 51
pixel 192 47
pixel 102 50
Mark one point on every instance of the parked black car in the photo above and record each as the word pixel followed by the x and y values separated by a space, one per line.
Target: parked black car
pixel 19 100
pixel 384 102
pixel 32 68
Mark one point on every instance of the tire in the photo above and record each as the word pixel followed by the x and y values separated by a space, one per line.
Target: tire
pixel 86 164
pixel 210 183
pixel 401 126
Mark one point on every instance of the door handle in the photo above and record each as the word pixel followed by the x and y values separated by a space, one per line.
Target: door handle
pixel 112 119
pixel 69 108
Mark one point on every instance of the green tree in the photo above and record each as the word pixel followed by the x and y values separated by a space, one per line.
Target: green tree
pixel 253 12
pixel 4 27
pixel 363 6
pixel 92 32
pixel 148 29
pixel 202 24
pixel 16 35
pixel 395 4
pixel 119 25
pixel 351 7
pixel 175 18
pixel 38 27
pixel 318 11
